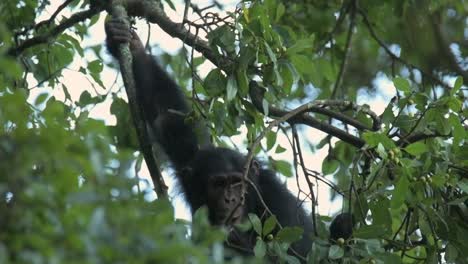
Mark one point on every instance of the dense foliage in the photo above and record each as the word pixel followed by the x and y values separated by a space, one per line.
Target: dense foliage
pixel 70 185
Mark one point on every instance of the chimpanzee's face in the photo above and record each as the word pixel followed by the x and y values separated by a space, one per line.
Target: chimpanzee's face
pixel 225 192
pixel 217 182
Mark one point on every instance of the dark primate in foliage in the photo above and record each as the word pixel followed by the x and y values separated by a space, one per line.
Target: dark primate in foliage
pixel 342 226
pixel 209 175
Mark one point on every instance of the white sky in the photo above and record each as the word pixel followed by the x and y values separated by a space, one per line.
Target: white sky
pixel 77 83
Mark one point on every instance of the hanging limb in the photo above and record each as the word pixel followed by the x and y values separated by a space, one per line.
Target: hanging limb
pixel 125 61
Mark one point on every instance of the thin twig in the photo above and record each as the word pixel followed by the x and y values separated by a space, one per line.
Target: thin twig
pixel 45 22
pixel 48 36
pixel 340 76
pixel 309 183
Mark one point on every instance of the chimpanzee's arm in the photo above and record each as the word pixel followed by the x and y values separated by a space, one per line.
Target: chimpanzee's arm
pixel 166 109
pixel 163 102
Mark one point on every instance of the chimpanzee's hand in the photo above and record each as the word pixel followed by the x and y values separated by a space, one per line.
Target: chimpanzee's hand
pixel 117 33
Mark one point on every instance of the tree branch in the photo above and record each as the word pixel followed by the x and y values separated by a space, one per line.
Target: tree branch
pixel 44 22
pixel 300 117
pixel 152 11
pixel 339 78
pixel 48 36
pixel 154 14
pixel 125 61
pixel 395 57
pixel 420 136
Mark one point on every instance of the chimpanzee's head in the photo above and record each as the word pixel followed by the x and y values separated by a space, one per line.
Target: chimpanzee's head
pixel 215 180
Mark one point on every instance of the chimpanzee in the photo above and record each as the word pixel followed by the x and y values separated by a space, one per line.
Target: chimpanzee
pixel 208 175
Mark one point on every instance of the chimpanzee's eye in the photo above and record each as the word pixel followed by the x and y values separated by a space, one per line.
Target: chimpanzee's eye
pixel 218 182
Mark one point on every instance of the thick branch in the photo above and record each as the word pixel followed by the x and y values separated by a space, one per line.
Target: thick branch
pixel 152 11
pixel 301 117
pixel 420 136
pixel 125 61
pixel 339 116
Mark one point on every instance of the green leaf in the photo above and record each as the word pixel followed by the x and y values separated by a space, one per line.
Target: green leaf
pixel 416 149
pixel 451 253
pixel 223 37
pixel 41 98
pixel 289 234
pixel 329 166
pixel 437 115
pixel 454 104
pixel 65 91
pixel 303 65
pixel 283 167
pixel 400 192
pixel 373 139
pixel 97 78
pixel 95 66
pixel 288 76
pixel 242 81
pixel 87 99
pixel 62 56
pixel 271 139
pixel 458 131
pixel 318 252
pixel 274 60
pixel 214 83
pixel 71 43
pixel 402 85
pixel 388 257
pixel 247 56
pixel 301 45
pixel 269 225
pixel 371 231
pixel 291 259
pixel 335 252
pixel 279 149
pixel 325 68
pixel 380 208
pixel 256 223
pixel 260 249
pixel 456 87
pixel 280 10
